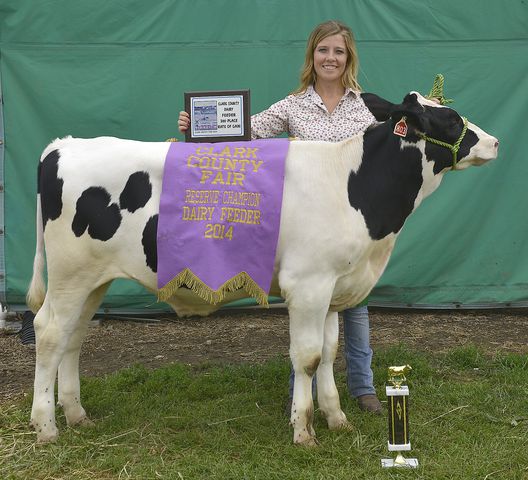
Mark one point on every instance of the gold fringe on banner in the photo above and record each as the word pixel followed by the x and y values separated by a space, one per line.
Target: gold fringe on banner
pixel 189 279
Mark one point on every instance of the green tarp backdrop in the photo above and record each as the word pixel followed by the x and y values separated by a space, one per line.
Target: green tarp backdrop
pixel 97 67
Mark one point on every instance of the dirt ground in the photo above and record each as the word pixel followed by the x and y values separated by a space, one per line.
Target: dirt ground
pixel 255 336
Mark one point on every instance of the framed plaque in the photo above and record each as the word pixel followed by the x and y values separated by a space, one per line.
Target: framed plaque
pixel 218 116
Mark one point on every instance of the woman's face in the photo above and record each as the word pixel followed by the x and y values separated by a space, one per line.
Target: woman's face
pixel 330 57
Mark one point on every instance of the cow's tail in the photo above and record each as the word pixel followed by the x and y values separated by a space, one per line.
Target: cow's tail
pixel 37 287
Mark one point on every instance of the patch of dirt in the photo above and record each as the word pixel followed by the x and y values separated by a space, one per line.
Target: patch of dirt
pixel 255 336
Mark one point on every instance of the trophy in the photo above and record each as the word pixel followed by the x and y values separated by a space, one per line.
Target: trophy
pixel 398 407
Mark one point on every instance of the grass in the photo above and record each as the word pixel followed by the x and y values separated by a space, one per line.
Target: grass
pixel 469 420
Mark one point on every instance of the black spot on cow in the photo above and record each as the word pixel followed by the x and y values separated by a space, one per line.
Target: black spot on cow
pixel 386 184
pixel 469 141
pixel 49 186
pixel 95 213
pixel 137 192
pixel 150 242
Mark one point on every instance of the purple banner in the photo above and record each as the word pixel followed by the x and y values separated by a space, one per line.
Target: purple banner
pixel 219 217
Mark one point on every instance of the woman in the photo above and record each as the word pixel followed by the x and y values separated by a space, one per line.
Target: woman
pixel 327 106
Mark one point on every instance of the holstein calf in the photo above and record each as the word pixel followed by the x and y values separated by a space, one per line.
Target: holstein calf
pixel 343 206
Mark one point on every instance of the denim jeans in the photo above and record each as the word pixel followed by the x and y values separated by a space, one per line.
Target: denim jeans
pixel 358 354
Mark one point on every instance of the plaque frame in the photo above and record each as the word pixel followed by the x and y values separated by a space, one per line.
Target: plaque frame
pixel 213 101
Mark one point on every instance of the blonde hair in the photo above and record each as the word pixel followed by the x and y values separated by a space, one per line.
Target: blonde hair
pixel 319 33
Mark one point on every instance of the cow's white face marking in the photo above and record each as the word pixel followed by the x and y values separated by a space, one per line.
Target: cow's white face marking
pixel 483 151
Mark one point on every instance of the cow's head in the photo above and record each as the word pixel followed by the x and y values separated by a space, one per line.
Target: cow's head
pixel 450 140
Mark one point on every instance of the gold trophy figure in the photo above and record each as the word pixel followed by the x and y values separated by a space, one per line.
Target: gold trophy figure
pixel 398 407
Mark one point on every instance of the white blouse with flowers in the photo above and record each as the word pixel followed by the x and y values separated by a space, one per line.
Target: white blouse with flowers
pixel 306 117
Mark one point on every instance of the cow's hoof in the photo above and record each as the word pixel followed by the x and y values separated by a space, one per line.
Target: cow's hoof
pixel 305 439
pixel 345 426
pixel 47 436
pixel 76 417
pixel 83 422
pixel 339 422
pixel 46 432
pixel 309 442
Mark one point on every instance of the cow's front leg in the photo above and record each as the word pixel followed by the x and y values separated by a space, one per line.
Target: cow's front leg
pixel 305 361
pixel 327 394
pixel 307 320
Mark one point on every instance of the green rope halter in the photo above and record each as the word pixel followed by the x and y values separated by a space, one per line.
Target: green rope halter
pixel 455 147
pixel 438 90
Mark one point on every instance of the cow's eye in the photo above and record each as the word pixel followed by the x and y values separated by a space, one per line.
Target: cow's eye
pixel 455 122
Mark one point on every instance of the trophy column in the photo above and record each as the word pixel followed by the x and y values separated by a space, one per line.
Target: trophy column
pixel 398 407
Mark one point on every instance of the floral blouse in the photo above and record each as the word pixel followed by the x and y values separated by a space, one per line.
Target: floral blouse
pixel 306 117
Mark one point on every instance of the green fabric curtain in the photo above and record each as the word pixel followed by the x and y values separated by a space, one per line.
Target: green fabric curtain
pixel 92 67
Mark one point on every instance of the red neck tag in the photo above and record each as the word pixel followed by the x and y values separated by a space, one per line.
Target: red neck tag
pixel 400 128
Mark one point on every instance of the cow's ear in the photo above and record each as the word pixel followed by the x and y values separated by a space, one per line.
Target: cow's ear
pixel 413 110
pixel 379 107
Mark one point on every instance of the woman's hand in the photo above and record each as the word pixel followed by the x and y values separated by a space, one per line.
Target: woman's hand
pixel 184 121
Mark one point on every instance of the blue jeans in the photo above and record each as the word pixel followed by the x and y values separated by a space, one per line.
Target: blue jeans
pixel 358 354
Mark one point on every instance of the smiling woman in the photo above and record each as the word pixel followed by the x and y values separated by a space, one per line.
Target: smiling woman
pixel 326 105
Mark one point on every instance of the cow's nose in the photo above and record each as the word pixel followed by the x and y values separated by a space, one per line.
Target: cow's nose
pixel 496 144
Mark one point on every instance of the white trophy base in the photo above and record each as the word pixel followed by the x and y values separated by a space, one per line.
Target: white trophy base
pixel 399 461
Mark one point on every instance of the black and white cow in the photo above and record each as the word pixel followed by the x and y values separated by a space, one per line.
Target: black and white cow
pixel 344 204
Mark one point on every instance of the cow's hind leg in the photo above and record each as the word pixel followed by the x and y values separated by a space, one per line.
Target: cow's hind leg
pixel 69 383
pixel 327 394
pixel 307 319
pixel 43 409
pixel 54 323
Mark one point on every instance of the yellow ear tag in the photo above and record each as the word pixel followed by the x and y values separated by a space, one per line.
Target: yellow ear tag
pixel 401 128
